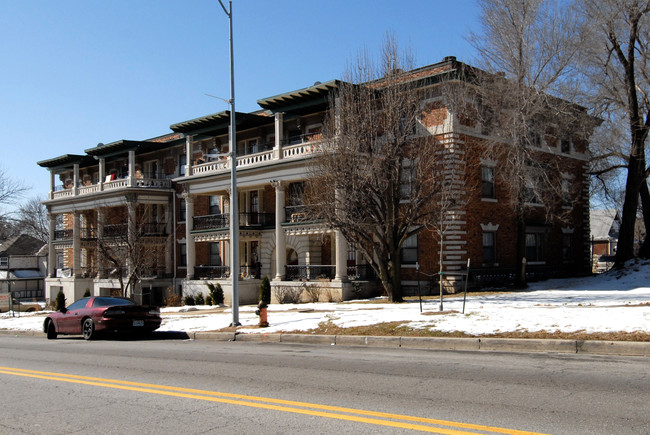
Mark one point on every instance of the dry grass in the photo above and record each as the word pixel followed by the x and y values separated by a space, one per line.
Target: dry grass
pixel 400 329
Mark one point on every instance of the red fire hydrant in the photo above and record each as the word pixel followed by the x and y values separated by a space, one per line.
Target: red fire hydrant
pixel 261 311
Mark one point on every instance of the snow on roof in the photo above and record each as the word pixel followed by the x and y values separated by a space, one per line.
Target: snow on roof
pixel 603 224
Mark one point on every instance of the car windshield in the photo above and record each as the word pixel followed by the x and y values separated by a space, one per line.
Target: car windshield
pixel 109 302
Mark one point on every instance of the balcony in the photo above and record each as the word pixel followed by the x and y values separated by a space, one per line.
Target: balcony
pixel 223 272
pixel 222 221
pixel 361 272
pixel 112 183
pixel 292 147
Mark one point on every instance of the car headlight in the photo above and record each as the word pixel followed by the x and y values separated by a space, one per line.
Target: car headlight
pixel 154 312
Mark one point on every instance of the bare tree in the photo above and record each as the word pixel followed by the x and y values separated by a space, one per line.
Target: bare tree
pixel 528 48
pixel 32 219
pixel 374 178
pixel 616 63
pixel 131 247
pixel 10 188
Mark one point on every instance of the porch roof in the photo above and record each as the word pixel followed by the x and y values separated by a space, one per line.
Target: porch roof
pixel 301 100
pixel 66 161
pixel 122 146
pixel 218 123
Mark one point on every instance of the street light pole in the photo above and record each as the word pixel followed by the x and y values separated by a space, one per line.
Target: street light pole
pixel 234 209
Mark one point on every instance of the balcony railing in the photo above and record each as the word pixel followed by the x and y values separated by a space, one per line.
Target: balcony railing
pixel 63 234
pixel 220 272
pixel 297 214
pixel 221 221
pixel 362 272
pixel 152 181
pixel 153 229
pixel 211 272
pixel 211 222
pixel 293 147
pixel 256 219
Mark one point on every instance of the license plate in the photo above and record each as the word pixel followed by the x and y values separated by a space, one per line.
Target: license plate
pixel 138 323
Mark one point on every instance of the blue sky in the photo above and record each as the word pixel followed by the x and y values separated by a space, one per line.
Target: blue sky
pixel 76 73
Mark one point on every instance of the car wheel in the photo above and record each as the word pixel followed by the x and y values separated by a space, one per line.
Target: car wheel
pixel 88 329
pixel 51 330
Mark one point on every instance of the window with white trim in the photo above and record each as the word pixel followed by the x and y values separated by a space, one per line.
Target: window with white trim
pixel 489 247
pixel 409 251
pixel 487 182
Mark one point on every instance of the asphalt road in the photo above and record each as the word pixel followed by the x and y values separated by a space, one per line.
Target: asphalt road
pixel 193 387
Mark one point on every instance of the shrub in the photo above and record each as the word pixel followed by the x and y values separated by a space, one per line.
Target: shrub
pixel 265 290
pixel 87 293
pixel 313 292
pixel 173 301
pixel 288 294
pixel 189 300
pixel 216 292
pixel 208 300
pixel 60 300
pixel 198 299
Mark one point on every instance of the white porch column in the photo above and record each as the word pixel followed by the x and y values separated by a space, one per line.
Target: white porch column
pixel 101 263
pixel 169 266
pixel 188 155
pixel 131 202
pixel 52 185
pixel 131 180
pixel 280 238
pixel 102 172
pixel 75 179
pixel 189 239
pixel 51 253
pixel 279 133
pixel 76 244
pixel 341 257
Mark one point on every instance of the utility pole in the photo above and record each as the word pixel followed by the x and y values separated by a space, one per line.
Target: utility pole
pixel 234 209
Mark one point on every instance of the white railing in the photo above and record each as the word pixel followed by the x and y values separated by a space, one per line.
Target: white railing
pixel 156 183
pixel 116 184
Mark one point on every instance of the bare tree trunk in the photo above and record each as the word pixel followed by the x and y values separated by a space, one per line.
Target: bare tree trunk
pixel 644 250
pixel 635 177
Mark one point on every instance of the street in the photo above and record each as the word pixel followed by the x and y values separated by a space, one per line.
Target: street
pixel 180 386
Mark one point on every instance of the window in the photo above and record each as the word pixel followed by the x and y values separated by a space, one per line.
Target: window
pixel 408 177
pixel 531 193
pixel 535 241
pixel 214 205
pixel 567 247
pixel 296 193
pixel 215 254
pixel 60 260
pixel 565 145
pixel 487 182
pixel 183 249
pixel 182 211
pixel 182 161
pixel 410 250
pixel 4 261
pixel 489 247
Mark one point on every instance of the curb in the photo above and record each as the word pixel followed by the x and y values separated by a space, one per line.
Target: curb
pixel 588 347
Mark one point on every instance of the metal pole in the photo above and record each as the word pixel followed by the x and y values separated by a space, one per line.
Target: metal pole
pixel 417 269
pixel 234 209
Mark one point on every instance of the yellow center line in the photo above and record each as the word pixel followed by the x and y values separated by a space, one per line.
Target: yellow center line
pixel 267 403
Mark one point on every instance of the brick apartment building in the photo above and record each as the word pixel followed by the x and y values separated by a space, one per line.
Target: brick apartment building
pixel 168 199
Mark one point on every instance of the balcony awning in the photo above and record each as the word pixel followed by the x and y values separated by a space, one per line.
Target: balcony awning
pixel 218 123
pixel 123 146
pixel 66 161
pixel 301 100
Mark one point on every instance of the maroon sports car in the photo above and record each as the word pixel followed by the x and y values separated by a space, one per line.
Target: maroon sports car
pixel 89 316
